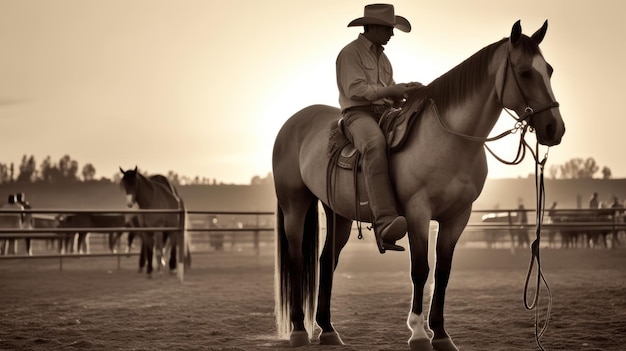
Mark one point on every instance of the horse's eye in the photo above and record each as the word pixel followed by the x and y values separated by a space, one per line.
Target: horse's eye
pixel 525 74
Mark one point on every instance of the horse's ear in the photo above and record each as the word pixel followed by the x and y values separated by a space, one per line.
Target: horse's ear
pixel 540 33
pixel 516 33
pixel 121 170
pixel 135 169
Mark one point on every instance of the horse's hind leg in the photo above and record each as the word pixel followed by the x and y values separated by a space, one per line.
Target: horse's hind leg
pixel 148 247
pixel 172 246
pixel 338 232
pixel 296 266
pixel 158 250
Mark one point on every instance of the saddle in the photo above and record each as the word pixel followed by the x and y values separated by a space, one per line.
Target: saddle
pixel 395 124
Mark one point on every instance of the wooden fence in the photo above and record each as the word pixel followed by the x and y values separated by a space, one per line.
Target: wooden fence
pixel 200 223
pixel 209 228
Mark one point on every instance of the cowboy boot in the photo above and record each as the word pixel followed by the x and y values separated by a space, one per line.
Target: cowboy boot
pixel 388 225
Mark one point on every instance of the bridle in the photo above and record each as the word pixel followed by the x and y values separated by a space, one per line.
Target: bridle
pixel 529 112
pixel 523 123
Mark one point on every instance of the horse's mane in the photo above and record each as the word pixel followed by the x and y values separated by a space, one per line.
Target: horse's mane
pixel 453 86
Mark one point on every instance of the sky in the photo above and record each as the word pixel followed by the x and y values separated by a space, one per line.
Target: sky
pixel 202 87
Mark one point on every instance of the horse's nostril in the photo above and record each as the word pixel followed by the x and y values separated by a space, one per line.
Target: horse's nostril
pixel 550 131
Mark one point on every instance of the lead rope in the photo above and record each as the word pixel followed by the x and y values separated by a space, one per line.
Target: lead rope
pixel 535 253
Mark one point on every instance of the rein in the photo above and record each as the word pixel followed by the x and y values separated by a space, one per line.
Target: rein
pixel 535 256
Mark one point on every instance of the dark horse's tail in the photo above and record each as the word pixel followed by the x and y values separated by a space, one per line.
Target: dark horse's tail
pixel 282 281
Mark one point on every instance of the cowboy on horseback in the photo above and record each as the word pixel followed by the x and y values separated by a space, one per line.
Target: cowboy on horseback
pixel 366 90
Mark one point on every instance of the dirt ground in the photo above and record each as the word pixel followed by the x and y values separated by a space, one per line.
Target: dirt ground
pixel 226 302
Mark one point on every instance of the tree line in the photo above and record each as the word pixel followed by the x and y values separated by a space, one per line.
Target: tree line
pixel 579 168
pixel 68 170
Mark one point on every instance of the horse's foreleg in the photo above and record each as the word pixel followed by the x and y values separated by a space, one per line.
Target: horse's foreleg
pixel 449 233
pixel 148 246
pixel 338 232
pixel 418 241
pixel 29 247
pixel 130 238
pixel 142 253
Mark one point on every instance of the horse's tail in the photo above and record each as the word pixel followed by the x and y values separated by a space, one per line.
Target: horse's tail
pixel 309 272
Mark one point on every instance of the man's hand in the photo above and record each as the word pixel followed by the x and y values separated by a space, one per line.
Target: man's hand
pixel 411 87
pixel 403 90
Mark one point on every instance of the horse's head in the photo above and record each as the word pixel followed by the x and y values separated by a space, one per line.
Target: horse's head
pixel 129 182
pixel 525 86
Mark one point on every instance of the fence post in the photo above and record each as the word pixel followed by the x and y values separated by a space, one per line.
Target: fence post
pixel 181 243
pixel 257 247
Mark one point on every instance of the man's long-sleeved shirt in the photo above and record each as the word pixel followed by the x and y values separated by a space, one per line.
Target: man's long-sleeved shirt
pixel 362 69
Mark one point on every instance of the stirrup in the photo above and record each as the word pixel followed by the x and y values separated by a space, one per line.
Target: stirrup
pixel 392 246
pixel 384 246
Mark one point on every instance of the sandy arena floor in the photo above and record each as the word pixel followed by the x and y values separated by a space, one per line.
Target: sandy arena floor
pixel 226 302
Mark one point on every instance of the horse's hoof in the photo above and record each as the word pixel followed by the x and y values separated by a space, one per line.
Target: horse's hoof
pixel 444 344
pixel 299 338
pixel 420 345
pixel 330 338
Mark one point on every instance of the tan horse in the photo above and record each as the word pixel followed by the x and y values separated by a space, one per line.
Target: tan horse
pixel 438 173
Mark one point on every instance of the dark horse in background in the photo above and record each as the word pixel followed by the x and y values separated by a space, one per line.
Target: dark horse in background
pixel 156 192
pixel 438 173
pixel 78 242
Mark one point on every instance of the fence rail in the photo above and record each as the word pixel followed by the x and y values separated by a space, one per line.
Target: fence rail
pixel 199 223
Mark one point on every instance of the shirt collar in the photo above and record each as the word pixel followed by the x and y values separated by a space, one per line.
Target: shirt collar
pixel 368 45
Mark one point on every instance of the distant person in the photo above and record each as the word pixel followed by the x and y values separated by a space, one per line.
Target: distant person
pixel 552 210
pixel 593 202
pixel 616 203
pixel 617 206
pixel 522 233
pixel 552 233
pixel 27 219
pixel 217 238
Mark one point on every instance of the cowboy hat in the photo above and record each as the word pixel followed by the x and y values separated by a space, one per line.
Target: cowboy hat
pixel 382 14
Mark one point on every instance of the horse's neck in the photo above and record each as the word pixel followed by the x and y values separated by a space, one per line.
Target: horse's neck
pixel 145 198
pixel 476 112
